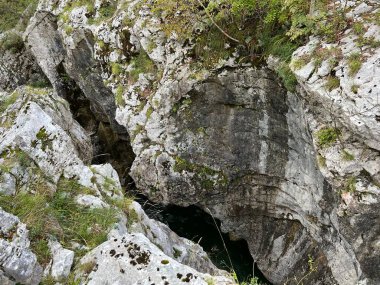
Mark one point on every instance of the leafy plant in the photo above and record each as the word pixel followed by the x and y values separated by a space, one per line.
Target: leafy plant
pixel 141 64
pixel 287 76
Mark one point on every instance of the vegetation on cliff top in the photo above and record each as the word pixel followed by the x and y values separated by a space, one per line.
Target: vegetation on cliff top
pixel 11 12
pixel 254 28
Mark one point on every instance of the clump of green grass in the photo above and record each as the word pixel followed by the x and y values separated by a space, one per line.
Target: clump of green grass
pixel 12 41
pixel 116 68
pixel 299 63
pixel 354 64
pixel 358 28
pixel 327 136
pixel 119 96
pixel 11 12
pixel 287 77
pixel 58 215
pixel 141 64
pixel 132 216
pixel 9 100
pixel 347 156
pixel 350 185
pixel 368 41
pixel 332 83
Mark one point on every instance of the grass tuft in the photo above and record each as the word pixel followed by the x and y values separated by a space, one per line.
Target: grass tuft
pixel 327 136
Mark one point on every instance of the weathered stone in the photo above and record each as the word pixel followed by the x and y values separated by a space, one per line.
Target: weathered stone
pixel 133 259
pixel 18 66
pixel 57 60
pixel 40 121
pixel 17 262
pixel 233 142
pixel 62 260
pixel 180 249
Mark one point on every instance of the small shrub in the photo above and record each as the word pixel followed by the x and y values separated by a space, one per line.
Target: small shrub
pixel 354 64
pixel 358 28
pixel 287 77
pixel 327 136
pixel 141 64
pixel 332 83
pixel 108 9
pixel 116 68
pixel 12 41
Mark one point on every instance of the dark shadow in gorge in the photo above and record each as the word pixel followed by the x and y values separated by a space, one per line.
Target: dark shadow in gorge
pixel 196 225
pixel 191 222
pixel 108 146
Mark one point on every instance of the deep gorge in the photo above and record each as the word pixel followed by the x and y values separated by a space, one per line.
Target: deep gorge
pixel 163 125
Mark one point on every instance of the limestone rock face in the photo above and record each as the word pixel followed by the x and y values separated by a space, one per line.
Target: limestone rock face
pixel 40 126
pixel 42 143
pixel 18 66
pixel 232 141
pixel 133 259
pixel 61 61
pixel 17 262
pixel 180 249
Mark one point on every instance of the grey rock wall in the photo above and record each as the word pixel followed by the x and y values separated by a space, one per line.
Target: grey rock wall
pixel 232 141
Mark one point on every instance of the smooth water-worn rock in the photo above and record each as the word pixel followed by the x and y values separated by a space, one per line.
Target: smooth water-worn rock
pixel 17 262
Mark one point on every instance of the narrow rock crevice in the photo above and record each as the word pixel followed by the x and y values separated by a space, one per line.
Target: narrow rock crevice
pixel 108 145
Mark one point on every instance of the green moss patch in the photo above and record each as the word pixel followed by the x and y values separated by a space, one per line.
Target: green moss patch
pixel 204 175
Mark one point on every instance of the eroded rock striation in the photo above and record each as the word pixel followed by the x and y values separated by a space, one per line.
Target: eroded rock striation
pixel 294 174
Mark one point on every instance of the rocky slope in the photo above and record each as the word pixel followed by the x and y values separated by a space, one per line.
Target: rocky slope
pixel 294 174
pixel 43 150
